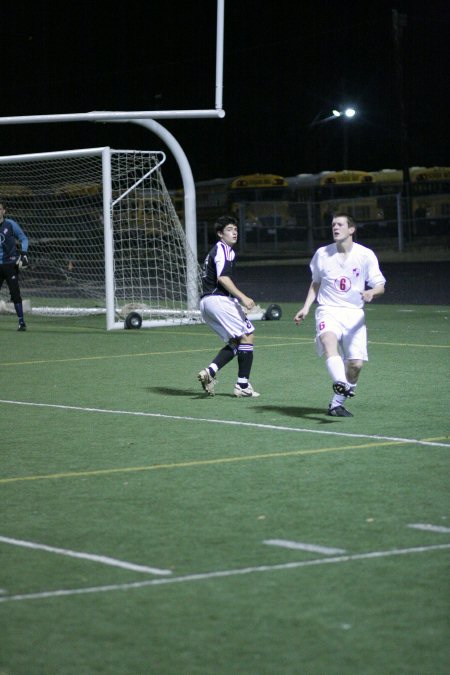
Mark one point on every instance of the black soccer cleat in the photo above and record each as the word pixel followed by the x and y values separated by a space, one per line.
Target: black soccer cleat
pixel 22 326
pixel 339 411
pixel 344 389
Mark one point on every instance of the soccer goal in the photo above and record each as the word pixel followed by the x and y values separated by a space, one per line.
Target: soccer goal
pixel 104 236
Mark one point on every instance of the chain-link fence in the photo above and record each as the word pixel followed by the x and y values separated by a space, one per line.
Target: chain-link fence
pixel 298 228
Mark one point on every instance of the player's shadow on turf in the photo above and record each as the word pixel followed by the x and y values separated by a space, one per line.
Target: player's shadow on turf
pixel 171 391
pixel 318 414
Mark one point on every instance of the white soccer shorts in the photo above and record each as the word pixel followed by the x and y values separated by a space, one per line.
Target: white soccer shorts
pixel 349 327
pixel 225 316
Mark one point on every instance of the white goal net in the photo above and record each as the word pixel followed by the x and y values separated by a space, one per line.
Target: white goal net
pixel 104 236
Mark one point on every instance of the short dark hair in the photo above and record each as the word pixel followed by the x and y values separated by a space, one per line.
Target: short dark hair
pixel 350 220
pixel 223 221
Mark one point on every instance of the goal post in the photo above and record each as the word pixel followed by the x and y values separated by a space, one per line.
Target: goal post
pixel 104 236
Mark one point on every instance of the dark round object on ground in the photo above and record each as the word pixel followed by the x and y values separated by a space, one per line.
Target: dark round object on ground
pixel 273 313
pixel 133 320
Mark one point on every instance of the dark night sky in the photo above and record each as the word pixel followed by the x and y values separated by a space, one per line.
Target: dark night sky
pixel 285 64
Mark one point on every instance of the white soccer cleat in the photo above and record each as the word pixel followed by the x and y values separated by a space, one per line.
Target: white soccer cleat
pixel 247 392
pixel 207 381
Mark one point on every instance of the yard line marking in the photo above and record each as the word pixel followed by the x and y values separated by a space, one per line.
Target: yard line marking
pixel 105 357
pixel 99 358
pixel 407 344
pixel 193 462
pixel 429 528
pixel 223 573
pixel 292 342
pixel 298 545
pixel 86 556
pixel 254 425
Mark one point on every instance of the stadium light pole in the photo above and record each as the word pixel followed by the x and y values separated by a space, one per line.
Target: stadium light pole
pixel 347 114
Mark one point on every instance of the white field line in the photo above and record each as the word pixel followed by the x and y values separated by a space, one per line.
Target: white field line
pixel 299 546
pixel 429 528
pixel 223 574
pixel 254 425
pixel 85 556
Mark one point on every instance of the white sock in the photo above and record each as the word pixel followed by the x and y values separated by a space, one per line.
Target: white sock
pixel 338 399
pixel 336 369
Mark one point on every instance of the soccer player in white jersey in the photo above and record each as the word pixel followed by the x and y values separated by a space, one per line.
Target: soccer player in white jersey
pixel 223 306
pixel 345 275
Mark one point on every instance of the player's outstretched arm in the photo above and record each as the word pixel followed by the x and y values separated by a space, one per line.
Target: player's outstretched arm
pixel 304 311
pixel 301 315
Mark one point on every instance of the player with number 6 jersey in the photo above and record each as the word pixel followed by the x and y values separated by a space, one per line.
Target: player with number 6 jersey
pixel 345 275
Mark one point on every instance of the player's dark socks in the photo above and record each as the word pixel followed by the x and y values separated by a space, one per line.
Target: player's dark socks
pixel 19 311
pixel 245 360
pixel 225 355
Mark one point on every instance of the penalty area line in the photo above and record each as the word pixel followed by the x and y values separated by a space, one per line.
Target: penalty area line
pixel 223 574
pixel 252 425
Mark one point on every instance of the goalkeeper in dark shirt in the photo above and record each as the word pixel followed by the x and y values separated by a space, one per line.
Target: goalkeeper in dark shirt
pixel 11 260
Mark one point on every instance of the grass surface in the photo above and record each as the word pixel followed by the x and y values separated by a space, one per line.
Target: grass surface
pixel 113 457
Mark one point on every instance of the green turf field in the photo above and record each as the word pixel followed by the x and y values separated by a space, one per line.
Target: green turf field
pixel 149 529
